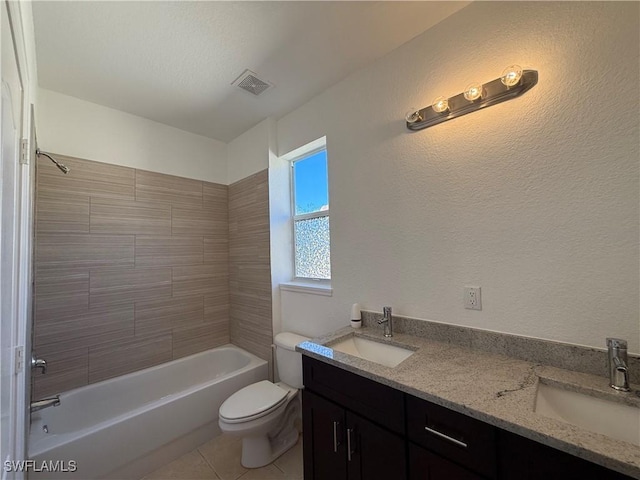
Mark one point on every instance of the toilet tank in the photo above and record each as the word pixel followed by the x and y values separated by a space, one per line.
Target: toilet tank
pixel 288 361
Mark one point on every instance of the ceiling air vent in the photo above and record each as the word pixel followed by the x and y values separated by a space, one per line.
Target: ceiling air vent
pixel 250 82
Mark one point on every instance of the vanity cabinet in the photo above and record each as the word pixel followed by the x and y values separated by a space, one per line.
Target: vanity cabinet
pixel 340 444
pixel 357 429
pixel 449 439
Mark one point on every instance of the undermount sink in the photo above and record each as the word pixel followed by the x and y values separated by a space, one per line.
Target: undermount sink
pixel 607 417
pixel 382 353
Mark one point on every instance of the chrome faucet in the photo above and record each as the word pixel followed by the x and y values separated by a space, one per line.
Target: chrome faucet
pixel 387 321
pixel 45 403
pixel 40 363
pixel 618 371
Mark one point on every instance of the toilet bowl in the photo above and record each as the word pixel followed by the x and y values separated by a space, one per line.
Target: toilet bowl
pixel 264 414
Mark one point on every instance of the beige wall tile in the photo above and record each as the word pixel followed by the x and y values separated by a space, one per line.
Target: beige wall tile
pixel 123 285
pixel 157 187
pixel 115 284
pixel 215 196
pixel 168 250
pixel 128 217
pixel 216 250
pixel 85 327
pixel 191 221
pixel 59 291
pixel 118 358
pixel 83 251
pixel 165 315
pixel 199 280
pixel 250 315
pixel 187 341
pixel 66 369
pixel 62 212
pixel 90 178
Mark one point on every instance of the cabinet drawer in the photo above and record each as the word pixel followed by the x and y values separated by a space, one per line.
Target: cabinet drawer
pixel 459 438
pixel 379 403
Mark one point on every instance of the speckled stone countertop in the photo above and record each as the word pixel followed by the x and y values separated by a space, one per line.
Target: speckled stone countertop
pixel 496 389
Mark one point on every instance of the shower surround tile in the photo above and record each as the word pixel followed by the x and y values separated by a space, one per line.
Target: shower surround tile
pixel 250 325
pixel 132 270
pixel 170 251
pixel 122 357
pixel 62 212
pixel 158 187
pixel 55 251
pixel 94 179
pixel 128 217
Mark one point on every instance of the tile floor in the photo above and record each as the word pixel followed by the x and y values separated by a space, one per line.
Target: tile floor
pixel 220 459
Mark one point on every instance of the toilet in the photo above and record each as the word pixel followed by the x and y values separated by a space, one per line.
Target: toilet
pixel 264 413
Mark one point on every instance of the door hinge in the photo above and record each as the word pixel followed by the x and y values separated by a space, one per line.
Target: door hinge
pixel 19 360
pixel 24 152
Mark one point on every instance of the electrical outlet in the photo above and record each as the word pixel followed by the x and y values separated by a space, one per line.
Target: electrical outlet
pixel 472 298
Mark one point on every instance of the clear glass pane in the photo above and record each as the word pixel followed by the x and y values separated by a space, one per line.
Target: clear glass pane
pixel 313 257
pixel 310 182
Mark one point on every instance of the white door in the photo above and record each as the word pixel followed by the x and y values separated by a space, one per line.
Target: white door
pixel 11 383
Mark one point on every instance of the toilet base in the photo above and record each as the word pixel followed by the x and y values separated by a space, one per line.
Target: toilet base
pixel 260 451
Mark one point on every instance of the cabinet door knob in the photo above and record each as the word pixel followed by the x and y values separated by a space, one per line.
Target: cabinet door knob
pixel 335 437
pixel 446 437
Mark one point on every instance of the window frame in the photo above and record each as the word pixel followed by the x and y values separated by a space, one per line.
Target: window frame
pixel 306 216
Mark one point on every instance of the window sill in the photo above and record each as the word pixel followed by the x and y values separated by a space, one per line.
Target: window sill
pixel 303 287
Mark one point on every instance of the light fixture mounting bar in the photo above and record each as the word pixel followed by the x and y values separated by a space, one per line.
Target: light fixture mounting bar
pixel 493 93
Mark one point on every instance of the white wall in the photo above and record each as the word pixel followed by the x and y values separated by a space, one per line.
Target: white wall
pixel 536 200
pixel 249 152
pixel 74 127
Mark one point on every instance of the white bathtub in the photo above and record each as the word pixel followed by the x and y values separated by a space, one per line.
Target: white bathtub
pixel 127 426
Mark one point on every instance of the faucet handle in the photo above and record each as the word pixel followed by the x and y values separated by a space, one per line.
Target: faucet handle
pixel 386 311
pixel 619 343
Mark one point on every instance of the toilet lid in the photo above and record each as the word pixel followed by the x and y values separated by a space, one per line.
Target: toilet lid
pixel 253 400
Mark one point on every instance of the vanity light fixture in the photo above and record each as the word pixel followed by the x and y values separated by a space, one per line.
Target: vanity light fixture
pixel 513 82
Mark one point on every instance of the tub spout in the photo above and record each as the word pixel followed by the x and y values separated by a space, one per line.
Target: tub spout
pixel 45 403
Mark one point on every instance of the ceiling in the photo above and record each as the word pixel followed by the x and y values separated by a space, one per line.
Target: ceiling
pixel 174 62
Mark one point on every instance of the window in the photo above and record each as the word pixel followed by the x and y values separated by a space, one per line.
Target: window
pixel 310 206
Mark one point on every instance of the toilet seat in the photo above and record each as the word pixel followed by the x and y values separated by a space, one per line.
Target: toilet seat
pixel 253 401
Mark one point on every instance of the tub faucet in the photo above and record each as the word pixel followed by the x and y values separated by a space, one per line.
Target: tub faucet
pixel 387 321
pixel 45 403
pixel 40 363
pixel 618 371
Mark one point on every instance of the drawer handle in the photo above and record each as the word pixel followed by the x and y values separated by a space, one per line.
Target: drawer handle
pixel 446 437
pixel 335 437
pixel 349 451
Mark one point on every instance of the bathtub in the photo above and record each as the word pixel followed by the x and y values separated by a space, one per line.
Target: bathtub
pixel 127 426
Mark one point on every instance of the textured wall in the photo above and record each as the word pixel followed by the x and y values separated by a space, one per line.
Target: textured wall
pixel 131 270
pixel 78 128
pixel 536 199
pixel 249 265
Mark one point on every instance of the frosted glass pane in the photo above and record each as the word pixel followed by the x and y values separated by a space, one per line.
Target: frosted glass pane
pixel 313 257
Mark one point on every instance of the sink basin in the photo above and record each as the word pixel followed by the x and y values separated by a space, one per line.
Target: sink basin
pixel 610 418
pixel 382 353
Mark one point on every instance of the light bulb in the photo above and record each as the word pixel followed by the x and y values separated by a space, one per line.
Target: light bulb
pixel 440 104
pixel 511 75
pixel 413 116
pixel 473 91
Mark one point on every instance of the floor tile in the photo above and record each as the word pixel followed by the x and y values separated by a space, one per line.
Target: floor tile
pixel 223 453
pixel 191 466
pixel 291 462
pixel 270 472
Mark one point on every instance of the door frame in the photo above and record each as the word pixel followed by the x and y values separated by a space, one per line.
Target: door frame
pixel 20 20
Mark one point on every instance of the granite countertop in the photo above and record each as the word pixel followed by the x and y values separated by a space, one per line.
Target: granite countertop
pixel 496 389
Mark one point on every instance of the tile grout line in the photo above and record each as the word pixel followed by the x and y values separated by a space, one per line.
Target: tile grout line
pixel 207 462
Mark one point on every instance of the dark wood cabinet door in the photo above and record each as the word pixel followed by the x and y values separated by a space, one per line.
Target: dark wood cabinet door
pixel 324 445
pixel 524 459
pixel 373 452
pixel 425 465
